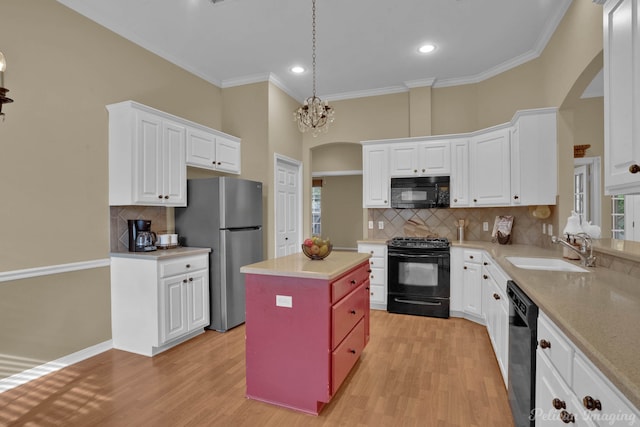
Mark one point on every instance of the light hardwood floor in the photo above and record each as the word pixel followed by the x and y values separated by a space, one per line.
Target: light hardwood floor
pixel 416 371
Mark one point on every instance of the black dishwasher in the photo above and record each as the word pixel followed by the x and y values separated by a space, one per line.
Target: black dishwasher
pixel 523 340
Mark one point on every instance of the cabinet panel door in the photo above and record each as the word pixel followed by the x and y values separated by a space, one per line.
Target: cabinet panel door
pixel 404 160
pixel 375 176
pixel 622 95
pixel 227 155
pixel 460 174
pixel 173 308
pixel 201 149
pixel 472 289
pixel 490 164
pixel 174 170
pixel 149 155
pixel 434 158
pixel 198 299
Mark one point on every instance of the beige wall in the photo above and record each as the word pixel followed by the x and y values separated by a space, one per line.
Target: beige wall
pixel 337 157
pixel 342 210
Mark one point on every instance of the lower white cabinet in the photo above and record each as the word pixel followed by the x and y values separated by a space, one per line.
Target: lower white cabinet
pixel 378 274
pixel 472 284
pixel 570 389
pixel 158 303
pixel 495 307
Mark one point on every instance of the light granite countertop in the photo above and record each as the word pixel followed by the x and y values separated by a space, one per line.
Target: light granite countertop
pixel 599 310
pixel 298 265
pixel 161 254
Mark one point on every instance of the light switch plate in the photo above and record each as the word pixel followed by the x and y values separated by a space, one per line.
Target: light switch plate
pixel 550 230
pixel 380 225
pixel 370 225
pixel 485 226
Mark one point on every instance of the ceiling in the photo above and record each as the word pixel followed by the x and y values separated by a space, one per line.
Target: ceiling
pixel 364 47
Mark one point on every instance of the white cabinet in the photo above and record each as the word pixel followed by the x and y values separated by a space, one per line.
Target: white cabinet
pixel 209 149
pixel 146 157
pixel 428 158
pixel 378 274
pixel 495 307
pixel 621 96
pixel 490 168
pixel 472 284
pixel 534 177
pixel 570 387
pixel 158 303
pixel 459 184
pixel 375 176
pixel 456 281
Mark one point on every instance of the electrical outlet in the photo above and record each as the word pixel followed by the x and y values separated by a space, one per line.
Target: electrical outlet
pixel 370 225
pixel 550 230
pixel 380 225
pixel 485 226
pixel 544 228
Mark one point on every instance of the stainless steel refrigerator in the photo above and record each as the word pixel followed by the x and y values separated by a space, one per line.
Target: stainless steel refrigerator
pixel 224 214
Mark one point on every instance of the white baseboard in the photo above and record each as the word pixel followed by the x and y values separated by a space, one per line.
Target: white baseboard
pixel 55 365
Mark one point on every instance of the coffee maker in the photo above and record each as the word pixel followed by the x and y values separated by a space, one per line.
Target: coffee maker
pixel 141 238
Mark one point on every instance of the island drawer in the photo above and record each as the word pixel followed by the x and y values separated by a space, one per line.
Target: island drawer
pixel 345 315
pixel 183 265
pixel 349 282
pixel 346 355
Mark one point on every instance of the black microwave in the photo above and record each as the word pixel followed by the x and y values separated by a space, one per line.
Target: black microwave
pixel 420 192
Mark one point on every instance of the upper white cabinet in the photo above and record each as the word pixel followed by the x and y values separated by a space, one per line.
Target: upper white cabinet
pixel 375 176
pixel 459 184
pixel 149 151
pixel 534 153
pixel 146 157
pixel 621 96
pixel 429 158
pixel 490 168
pixel 211 150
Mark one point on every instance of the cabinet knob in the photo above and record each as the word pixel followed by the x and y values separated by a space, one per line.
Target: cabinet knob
pixel 465 267
pixel 455 200
pixel 184 281
pixel 369 270
pixel 475 200
pixel 352 351
pixel 423 170
pixel 353 282
pixel 516 197
pixel 385 202
pixel 191 279
pixel 567 417
pixel 219 163
pixel 496 296
pixel 545 344
pixel 166 197
pixel 485 277
pixel 188 266
pixel 371 293
pixel 558 403
pixel 591 404
pixel 371 277
pixel 634 168
pixel 371 252
pixel 159 196
pixel 415 170
pixel 485 263
pixel 352 312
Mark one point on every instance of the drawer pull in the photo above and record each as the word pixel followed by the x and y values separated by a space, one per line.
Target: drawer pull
pixel 352 351
pixel 496 296
pixel 567 417
pixel 485 263
pixel 352 312
pixel 485 277
pixel 353 281
pixel 634 168
pixel 166 197
pixel 191 279
pixel 545 344
pixel 558 403
pixel 470 256
pixel 592 404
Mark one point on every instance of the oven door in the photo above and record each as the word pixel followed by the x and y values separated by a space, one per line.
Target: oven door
pixel 418 274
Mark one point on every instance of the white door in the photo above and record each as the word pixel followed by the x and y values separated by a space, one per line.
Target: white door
pixel 288 206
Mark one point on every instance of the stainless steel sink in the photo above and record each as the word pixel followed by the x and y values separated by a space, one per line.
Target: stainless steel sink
pixel 550 264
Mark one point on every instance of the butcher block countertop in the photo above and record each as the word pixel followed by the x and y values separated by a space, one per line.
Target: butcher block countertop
pixel 599 310
pixel 298 265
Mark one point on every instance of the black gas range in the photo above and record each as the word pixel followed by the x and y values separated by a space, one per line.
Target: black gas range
pixel 418 276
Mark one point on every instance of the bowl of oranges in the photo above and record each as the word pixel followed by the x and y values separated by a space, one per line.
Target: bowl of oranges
pixel 316 248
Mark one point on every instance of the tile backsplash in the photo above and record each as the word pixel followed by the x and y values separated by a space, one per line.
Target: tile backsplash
pixel 119 229
pixel 443 223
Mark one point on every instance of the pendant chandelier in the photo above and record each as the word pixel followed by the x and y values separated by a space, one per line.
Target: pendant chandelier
pixel 314 115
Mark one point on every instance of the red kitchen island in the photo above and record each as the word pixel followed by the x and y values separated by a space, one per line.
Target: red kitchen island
pixel 307 324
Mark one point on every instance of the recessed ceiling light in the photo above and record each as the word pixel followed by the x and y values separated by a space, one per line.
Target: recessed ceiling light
pixel 426 48
pixel 297 69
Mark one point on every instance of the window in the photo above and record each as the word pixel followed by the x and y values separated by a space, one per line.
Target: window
pixel 316 211
pixel 617 220
pixel 581 192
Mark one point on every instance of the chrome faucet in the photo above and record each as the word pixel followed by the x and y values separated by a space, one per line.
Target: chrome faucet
pixel 586 246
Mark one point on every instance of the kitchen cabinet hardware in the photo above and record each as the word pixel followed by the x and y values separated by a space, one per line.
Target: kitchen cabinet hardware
pixel 496 296
pixel 166 197
pixel 567 417
pixel 159 196
pixel 369 270
pixel 516 197
pixel 352 351
pixel 470 256
pixel 485 277
pixel 188 266
pixel 545 344
pixel 591 404
pixel 634 168
pixel 559 403
pixel 455 200
pixel 352 312
pixel 465 267
pixel 485 263
pixel 353 281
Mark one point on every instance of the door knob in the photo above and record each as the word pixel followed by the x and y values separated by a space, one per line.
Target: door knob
pixel 634 168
